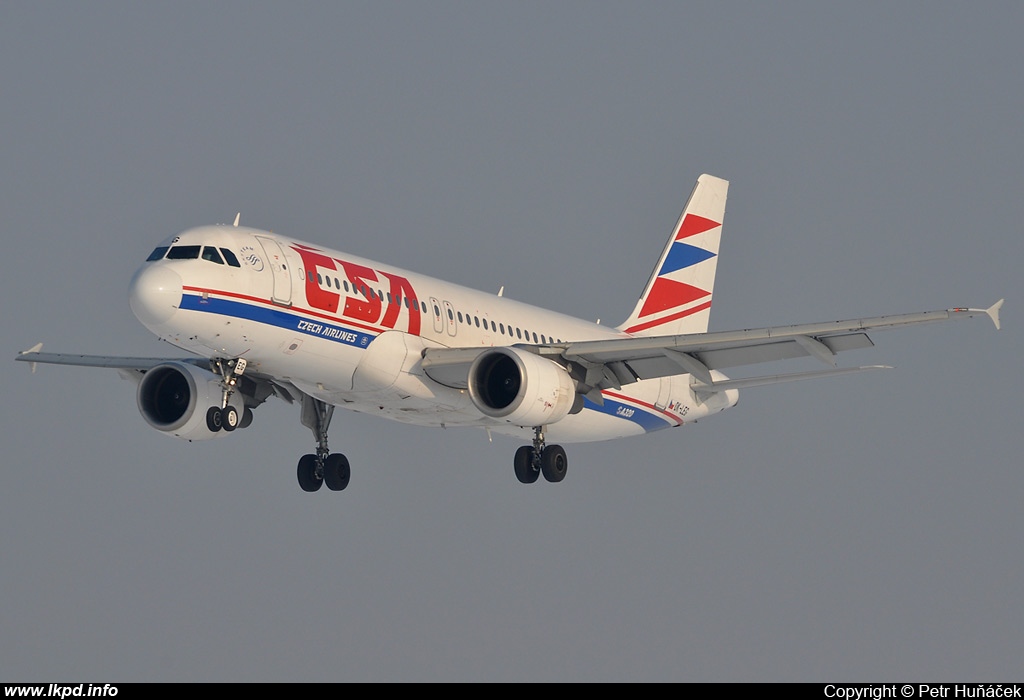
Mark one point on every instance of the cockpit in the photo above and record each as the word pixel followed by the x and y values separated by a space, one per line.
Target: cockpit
pixel 220 256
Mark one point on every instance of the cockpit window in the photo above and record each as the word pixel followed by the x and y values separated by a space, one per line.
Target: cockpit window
pixel 157 254
pixel 210 253
pixel 183 252
pixel 230 257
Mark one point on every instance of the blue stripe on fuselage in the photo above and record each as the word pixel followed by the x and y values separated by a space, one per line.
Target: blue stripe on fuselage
pixel 645 418
pixel 276 317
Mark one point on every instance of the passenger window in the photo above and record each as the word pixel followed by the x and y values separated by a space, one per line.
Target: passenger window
pixel 476 320
pixel 519 334
pixel 424 305
pixel 535 337
pixel 460 317
pixel 502 327
pixel 451 316
pixel 157 254
pixel 183 252
pixel 230 257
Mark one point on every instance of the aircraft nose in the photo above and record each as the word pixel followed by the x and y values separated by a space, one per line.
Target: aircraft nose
pixel 154 294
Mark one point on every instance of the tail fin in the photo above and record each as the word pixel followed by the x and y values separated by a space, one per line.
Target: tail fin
pixel 677 298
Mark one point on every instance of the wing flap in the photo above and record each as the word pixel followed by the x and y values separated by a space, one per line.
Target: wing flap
pixel 704 390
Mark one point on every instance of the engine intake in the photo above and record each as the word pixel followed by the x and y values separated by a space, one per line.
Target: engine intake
pixel 174 398
pixel 520 387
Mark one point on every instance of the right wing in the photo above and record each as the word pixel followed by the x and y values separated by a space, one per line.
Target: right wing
pixel 263 384
pixel 139 364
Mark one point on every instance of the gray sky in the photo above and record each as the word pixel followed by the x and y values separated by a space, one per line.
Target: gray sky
pixel 864 527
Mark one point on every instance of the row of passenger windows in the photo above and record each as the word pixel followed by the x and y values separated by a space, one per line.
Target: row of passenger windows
pixel 194 252
pixel 467 319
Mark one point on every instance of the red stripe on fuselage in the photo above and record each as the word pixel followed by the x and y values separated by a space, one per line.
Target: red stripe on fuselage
pixel 268 302
pixel 643 404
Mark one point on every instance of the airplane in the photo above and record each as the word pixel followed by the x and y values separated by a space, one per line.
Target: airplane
pixel 268 315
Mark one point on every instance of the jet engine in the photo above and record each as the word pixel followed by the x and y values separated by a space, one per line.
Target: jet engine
pixel 174 398
pixel 520 387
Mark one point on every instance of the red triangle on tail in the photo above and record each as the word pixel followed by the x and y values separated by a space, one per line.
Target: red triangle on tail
pixel 693 224
pixel 666 294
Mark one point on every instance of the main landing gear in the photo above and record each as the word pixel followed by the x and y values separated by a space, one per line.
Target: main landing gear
pixel 532 461
pixel 323 467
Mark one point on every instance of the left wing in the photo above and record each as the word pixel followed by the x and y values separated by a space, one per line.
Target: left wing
pixel 608 364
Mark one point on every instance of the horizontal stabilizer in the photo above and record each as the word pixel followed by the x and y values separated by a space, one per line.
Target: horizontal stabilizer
pixel 703 390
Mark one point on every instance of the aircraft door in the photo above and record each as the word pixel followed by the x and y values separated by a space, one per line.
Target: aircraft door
pixel 435 309
pixel 664 393
pixel 279 266
pixel 452 325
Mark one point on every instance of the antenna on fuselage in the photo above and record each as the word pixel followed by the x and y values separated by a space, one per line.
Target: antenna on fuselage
pixel 237 217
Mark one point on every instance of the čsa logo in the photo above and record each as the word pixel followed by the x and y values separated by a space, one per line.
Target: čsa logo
pixel 365 305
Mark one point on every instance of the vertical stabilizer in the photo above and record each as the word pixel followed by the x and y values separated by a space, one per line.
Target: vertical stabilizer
pixel 677 298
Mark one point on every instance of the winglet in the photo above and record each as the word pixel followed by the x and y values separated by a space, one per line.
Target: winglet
pixel 238 216
pixel 35 348
pixel 993 312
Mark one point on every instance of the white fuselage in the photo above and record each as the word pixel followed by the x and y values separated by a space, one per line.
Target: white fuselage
pixel 351 332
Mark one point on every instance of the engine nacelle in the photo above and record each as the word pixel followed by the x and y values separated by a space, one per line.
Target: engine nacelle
pixel 174 398
pixel 520 387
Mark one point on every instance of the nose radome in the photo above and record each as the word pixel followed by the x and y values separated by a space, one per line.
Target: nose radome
pixel 154 294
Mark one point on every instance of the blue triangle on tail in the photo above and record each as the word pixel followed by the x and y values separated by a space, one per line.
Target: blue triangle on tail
pixel 682 255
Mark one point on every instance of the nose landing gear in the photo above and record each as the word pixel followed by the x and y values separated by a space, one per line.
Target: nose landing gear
pixel 226 417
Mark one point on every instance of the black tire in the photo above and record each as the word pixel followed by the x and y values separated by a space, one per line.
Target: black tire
pixel 308 480
pixel 246 419
pixel 553 463
pixel 229 418
pixel 524 465
pixel 213 419
pixel 337 472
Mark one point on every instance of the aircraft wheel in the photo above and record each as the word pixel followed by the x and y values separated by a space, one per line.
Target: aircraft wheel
pixel 308 479
pixel 553 463
pixel 246 418
pixel 229 418
pixel 336 472
pixel 213 419
pixel 524 465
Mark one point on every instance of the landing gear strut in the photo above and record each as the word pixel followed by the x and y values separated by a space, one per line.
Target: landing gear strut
pixel 314 470
pixel 549 460
pixel 226 417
